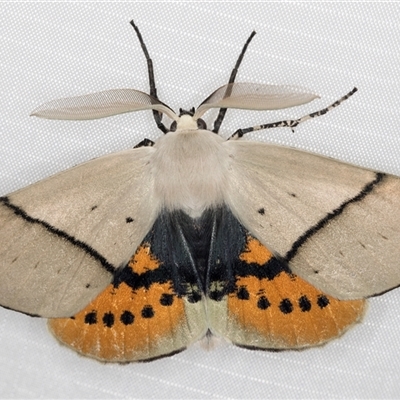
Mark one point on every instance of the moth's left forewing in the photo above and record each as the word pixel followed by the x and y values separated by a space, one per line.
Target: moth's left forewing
pixel 336 225
pixel 61 239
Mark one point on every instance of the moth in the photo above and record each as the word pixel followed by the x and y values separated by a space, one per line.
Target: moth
pixel 136 255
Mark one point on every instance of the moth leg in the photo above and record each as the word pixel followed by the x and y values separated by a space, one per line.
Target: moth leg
pixel 292 123
pixel 144 143
pixel 153 91
pixel 222 111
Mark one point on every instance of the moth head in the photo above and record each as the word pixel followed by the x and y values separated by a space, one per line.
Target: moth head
pixel 186 121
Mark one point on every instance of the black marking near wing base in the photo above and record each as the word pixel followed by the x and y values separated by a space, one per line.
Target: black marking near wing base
pixel 199 257
pixel 268 271
pixel 144 280
pixel 18 211
pixel 144 143
pixel 186 248
pixel 367 189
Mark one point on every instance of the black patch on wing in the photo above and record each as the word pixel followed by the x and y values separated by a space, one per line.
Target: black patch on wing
pixel 225 266
pixel 198 256
pixel 181 244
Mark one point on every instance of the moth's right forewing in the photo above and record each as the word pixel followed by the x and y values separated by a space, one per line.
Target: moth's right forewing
pixel 62 238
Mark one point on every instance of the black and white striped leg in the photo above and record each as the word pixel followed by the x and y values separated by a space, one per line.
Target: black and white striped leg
pixel 144 143
pixel 153 91
pixel 292 123
pixel 222 111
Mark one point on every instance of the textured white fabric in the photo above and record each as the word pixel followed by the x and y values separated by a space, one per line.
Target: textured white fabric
pixel 53 50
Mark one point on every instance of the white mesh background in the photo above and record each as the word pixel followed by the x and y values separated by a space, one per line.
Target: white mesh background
pixel 54 50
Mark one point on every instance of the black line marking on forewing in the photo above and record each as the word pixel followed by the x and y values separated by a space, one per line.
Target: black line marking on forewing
pixel 22 312
pixel 58 232
pixel 383 292
pixel 367 189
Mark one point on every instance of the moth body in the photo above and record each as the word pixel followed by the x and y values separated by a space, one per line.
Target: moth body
pixel 191 170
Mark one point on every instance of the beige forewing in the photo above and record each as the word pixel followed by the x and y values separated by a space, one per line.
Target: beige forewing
pixel 337 225
pixel 62 238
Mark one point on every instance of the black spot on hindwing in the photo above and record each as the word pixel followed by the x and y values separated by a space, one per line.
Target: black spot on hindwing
pixel 91 318
pixel 127 318
pixel 263 303
pixel 286 306
pixel 304 304
pixel 148 312
pixel 243 293
pixel 108 319
pixel 166 299
pixel 322 301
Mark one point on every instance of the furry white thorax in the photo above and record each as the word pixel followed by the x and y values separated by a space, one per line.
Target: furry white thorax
pixel 191 169
pixel 186 122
